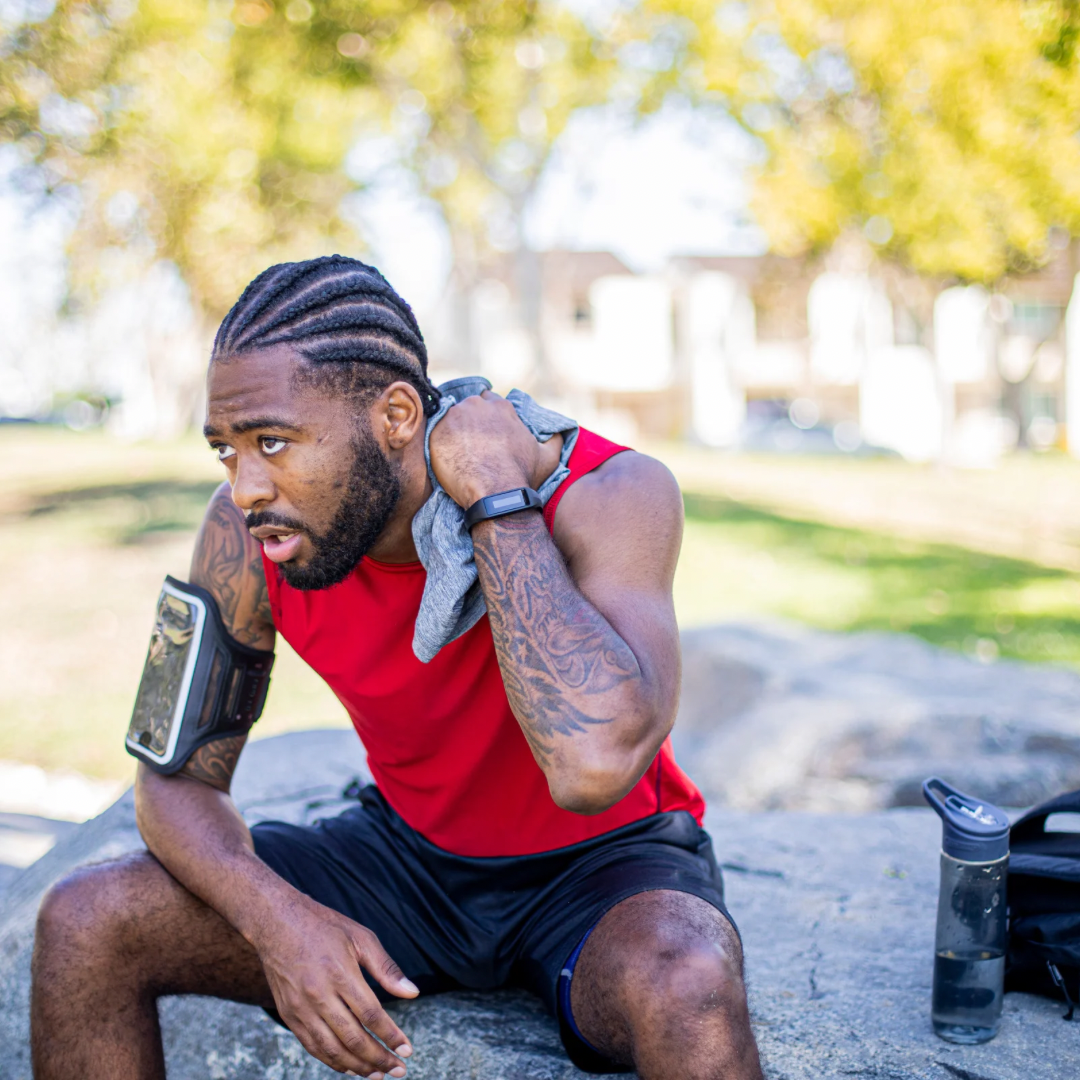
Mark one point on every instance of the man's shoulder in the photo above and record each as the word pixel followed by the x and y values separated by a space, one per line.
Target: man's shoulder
pixel 628 475
pixel 626 495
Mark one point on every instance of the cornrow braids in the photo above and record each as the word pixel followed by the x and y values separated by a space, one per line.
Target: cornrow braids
pixel 338 312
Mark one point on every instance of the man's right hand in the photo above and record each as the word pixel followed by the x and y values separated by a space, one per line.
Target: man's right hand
pixel 312 957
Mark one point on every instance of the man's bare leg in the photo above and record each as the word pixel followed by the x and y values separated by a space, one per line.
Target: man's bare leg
pixel 111 939
pixel 659 985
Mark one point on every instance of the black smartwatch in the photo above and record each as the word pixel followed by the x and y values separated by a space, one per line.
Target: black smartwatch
pixel 503 502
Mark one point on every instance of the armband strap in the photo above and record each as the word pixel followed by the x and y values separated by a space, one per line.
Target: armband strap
pixel 198 684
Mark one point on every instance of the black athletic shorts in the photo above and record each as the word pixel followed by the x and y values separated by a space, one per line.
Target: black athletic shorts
pixel 456 922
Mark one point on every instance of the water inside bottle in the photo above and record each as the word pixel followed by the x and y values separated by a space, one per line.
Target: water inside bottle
pixel 967 995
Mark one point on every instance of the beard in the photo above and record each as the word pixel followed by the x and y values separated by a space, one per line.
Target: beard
pixel 371 493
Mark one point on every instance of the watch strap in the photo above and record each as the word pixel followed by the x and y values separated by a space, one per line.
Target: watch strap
pixel 502 502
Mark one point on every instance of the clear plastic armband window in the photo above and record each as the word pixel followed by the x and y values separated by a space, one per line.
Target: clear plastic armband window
pixel 167 676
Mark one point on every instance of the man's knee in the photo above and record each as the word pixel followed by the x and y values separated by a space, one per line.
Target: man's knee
pixel 682 968
pixel 664 953
pixel 95 911
pixel 698 980
pixel 685 989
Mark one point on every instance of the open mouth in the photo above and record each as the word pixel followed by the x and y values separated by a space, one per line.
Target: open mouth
pixel 280 545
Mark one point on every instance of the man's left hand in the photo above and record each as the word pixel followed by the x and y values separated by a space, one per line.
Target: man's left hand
pixel 481 447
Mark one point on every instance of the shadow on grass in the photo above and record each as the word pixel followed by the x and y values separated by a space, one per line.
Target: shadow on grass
pixel 946 594
pixel 133 512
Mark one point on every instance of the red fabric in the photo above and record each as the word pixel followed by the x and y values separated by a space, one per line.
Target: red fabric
pixel 442 743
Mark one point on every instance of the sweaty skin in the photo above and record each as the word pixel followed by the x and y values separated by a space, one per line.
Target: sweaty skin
pixel 585 633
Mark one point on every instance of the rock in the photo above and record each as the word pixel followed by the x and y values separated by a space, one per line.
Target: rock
pixel 297 777
pixel 837 916
pixel 24 838
pixel 777 716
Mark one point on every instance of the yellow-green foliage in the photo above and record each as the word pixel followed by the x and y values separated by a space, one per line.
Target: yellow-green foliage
pixel 215 134
pixel 945 129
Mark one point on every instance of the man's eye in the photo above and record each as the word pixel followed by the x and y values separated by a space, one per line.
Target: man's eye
pixel 224 451
pixel 271 445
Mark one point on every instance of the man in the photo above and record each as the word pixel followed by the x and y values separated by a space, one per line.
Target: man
pixel 530 826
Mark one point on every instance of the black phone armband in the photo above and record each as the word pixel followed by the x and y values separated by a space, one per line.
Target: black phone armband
pixel 198 684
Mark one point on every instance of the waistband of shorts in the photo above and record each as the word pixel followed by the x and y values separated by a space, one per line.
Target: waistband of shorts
pixel 675 827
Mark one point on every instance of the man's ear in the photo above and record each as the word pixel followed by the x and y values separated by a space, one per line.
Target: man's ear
pixel 403 414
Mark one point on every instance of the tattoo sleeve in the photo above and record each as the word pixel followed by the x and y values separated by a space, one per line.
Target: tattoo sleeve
pixel 228 563
pixel 560 658
pixel 215 763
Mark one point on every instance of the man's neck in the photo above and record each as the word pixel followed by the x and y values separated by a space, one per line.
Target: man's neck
pixel 395 543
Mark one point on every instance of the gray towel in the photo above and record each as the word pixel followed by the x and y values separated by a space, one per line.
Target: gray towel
pixel 453 601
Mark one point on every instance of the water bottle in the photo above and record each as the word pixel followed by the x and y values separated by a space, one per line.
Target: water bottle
pixel 969 961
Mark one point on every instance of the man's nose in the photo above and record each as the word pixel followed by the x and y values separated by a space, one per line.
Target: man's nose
pixel 253 488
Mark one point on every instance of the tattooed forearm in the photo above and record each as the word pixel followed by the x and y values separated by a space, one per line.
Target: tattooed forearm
pixel 228 563
pixel 559 656
pixel 215 763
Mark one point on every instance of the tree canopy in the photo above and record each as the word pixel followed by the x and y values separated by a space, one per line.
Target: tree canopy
pixel 943 130
pixel 216 135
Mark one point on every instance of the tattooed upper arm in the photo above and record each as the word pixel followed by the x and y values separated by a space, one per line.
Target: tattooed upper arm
pixel 228 563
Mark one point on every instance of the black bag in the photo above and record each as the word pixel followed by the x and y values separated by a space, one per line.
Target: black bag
pixel 1044 905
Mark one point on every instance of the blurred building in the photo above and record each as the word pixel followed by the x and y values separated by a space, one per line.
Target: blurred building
pixel 839 354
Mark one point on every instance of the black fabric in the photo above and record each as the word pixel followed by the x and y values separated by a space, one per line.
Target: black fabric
pixel 454 922
pixel 1044 903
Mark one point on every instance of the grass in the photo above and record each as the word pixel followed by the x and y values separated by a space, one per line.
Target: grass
pixel 90 526
pixel 743 560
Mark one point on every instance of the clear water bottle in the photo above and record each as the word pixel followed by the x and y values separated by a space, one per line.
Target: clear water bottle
pixel 969 965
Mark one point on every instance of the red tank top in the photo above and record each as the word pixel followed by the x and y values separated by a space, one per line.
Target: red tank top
pixel 442 743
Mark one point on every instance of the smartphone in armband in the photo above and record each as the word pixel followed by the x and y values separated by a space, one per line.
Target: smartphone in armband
pixel 198 683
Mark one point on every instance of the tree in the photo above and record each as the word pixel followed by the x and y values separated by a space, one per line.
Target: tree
pixel 214 135
pixel 945 131
pixel 487 88
pixel 189 136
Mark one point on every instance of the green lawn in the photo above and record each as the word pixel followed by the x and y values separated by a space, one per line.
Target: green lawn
pixel 90 526
pixel 743 560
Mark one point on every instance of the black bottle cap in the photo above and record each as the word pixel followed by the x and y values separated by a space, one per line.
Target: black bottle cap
pixel 972 830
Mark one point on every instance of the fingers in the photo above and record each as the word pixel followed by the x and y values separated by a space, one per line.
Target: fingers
pixel 337 1040
pixel 365 1007
pixel 375 960
pixel 358 1042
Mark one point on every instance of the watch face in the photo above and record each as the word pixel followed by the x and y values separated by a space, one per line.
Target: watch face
pixel 508 500
pixel 166 679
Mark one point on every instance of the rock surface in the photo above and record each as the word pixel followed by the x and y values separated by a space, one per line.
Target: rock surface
pixel 836 912
pixel 864 718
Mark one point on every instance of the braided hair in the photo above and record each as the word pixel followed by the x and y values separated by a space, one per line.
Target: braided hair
pixel 344 319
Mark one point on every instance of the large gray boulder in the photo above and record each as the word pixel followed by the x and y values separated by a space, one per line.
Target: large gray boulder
pixel 836 912
pixel 862 719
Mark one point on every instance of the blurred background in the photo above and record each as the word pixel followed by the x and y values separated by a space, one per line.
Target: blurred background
pixel 819 256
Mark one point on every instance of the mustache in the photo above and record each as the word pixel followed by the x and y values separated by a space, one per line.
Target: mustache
pixel 268 517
